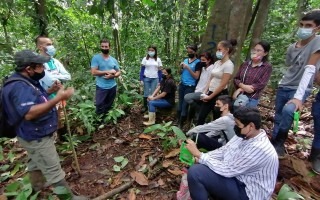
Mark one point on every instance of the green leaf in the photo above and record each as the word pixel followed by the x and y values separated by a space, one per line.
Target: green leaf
pixel 286 193
pixel 62 192
pixel 116 168
pixel 15 169
pixel 179 133
pixel 21 196
pixel 34 197
pixel 161 134
pixel 11 156
pixel 148 2
pixel 118 159
pixel 13 186
pixel 167 124
pixel 4 167
pixel 124 163
pixel 152 128
pixel 1 153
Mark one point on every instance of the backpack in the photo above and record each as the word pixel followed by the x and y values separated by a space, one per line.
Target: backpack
pixel 7 130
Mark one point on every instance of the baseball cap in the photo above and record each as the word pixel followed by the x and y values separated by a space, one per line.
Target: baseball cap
pixel 26 57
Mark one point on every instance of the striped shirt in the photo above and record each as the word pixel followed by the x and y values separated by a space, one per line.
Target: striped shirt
pixel 257 76
pixel 252 161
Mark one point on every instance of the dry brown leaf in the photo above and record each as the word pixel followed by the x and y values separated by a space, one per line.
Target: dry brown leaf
pixel 132 195
pixel 79 130
pixel 144 136
pixel 117 180
pixel 2 197
pixel 160 182
pixel 175 171
pixel 167 163
pixel 300 167
pixel 173 153
pixel 139 177
pixel 143 159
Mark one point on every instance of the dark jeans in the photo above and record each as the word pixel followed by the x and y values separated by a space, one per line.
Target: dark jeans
pixel 183 105
pixel 207 107
pixel 203 181
pixel 316 121
pixel 205 142
pixel 104 99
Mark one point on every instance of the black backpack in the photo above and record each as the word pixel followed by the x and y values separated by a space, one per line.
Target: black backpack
pixel 7 130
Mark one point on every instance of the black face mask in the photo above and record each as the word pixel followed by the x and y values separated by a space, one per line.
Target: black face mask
pixel 37 76
pixel 203 64
pixel 191 55
pixel 164 77
pixel 217 111
pixel 105 51
pixel 237 131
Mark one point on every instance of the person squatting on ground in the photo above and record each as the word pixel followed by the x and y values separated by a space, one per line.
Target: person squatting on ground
pixel 218 132
pixel 150 74
pixel 193 99
pixel 245 168
pixel 189 75
pixel 162 97
pixel 105 68
pixel 302 56
pixel 219 80
pixel 34 116
pixel 253 75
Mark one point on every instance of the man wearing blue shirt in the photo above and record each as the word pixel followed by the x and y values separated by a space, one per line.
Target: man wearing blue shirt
pixel 34 116
pixel 105 68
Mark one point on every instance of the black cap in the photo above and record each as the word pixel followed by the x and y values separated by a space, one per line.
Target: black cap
pixel 26 57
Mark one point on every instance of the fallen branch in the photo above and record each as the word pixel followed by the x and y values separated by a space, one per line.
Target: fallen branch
pixel 114 191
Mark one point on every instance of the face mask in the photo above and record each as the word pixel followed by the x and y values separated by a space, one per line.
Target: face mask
pixel 37 76
pixel 151 53
pixel 237 131
pixel 191 55
pixel 217 110
pixel 255 57
pixel 219 55
pixel 164 76
pixel 304 33
pixel 51 51
pixel 203 64
pixel 105 51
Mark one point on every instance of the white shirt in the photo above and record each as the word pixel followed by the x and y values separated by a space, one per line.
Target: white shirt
pixel 252 161
pixel 217 72
pixel 204 78
pixel 152 67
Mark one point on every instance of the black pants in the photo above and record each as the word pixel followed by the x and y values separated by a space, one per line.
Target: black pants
pixel 207 107
pixel 205 142
pixel 104 99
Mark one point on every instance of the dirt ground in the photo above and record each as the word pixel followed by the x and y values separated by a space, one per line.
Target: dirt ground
pixel 158 172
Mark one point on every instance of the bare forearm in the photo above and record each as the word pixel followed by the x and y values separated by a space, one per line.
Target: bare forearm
pixel 98 72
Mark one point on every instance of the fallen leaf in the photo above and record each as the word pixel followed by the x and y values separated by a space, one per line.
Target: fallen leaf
pixel 160 182
pixel 300 167
pixel 2 197
pixel 139 177
pixel 173 153
pixel 175 171
pixel 144 136
pixel 79 130
pixel 167 163
pixel 117 180
pixel 132 195
pixel 143 159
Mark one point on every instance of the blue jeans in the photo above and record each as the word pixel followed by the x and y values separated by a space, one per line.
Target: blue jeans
pixel 252 103
pixel 104 99
pixel 158 103
pixel 202 181
pixel 183 105
pixel 316 121
pixel 284 112
pixel 149 86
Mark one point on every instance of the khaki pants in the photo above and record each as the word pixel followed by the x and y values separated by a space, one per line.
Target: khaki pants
pixel 43 156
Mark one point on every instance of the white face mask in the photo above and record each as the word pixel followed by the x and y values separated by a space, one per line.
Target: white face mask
pixel 151 53
pixel 51 51
pixel 304 33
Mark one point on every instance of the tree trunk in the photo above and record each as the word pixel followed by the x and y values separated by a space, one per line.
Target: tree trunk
pixel 41 17
pixel 217 26
pixel 302 6
pixel 260 22
pixel 180 22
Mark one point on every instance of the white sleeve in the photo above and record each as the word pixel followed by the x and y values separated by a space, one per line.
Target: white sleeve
pixel 212 128
pixel 309 71
pixel 143 62
pixel 159 62
pixel 63 74
pixel 228 69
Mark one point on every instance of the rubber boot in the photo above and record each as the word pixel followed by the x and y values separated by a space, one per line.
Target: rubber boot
pixel 315 160
pixel 37 180
pixel 278 144
pixel 146 116
pixel 64 183
pixel 145 105
pixel 152 119
pixel 181 121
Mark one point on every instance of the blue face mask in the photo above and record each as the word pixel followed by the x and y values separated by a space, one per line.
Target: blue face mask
pixel 304 33
pixel 51 51
pixel 219 55
pixel 151 53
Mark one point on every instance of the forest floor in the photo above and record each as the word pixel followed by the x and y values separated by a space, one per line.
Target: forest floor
pixel 157 172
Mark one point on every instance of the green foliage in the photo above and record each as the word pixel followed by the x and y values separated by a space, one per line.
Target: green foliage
pixel 287 193
pixel 122 161
pixel 67 146
pixel 63 193
pixel 20 189
pixel 170 135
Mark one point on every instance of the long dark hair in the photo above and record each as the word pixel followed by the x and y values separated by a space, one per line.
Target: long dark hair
pixel 266 47
pixel 155 50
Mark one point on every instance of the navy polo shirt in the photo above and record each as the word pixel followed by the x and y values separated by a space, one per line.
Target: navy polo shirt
pixel 18 98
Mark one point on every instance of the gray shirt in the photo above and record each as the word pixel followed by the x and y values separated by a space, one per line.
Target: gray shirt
pixel 296 60
pixel 225 123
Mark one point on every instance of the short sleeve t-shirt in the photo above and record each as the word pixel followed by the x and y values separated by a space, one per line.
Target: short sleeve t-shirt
pixel 151 67
pixel 297 59
pixel 168 86
pixel 204 78
pixel 104 65
pixel 186 77
pixel 217 72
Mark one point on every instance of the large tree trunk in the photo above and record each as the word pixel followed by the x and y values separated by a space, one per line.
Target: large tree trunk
pixel 217 27
pixel 260 22
pixel 41 17
pixel 180 22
